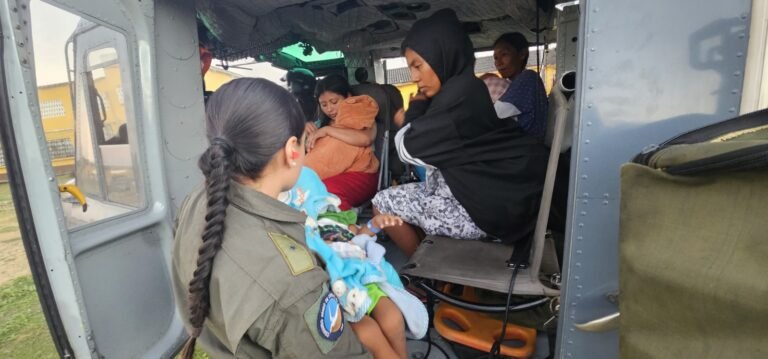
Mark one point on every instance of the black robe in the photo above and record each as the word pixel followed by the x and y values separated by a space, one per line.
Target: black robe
pixel 493 169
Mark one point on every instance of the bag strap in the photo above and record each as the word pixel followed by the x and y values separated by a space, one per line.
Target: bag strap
pixel 707 133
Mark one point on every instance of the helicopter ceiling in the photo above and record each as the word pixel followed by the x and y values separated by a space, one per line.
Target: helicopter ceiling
pixel 236 29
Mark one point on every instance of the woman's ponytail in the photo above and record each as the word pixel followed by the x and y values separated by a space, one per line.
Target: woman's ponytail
pixel 215 164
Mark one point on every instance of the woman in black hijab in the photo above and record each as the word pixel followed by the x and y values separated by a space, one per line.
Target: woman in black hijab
pixel 484 175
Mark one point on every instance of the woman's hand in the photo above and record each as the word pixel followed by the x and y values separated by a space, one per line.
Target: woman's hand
pixel 323 132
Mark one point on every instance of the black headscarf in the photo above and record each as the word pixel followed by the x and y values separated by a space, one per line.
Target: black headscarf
pixel 492 168
pixel 441 40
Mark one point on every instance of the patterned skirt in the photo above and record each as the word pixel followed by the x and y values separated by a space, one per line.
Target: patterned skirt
pixel 431 206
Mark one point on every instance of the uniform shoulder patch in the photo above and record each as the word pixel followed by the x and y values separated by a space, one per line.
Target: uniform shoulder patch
pixel 325 320
pixel 330 318
pixel 297 257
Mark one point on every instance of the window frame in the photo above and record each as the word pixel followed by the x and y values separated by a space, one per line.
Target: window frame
pixel 82 75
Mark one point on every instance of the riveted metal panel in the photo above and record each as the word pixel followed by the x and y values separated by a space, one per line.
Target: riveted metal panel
pixel 648 70
pixel 180 102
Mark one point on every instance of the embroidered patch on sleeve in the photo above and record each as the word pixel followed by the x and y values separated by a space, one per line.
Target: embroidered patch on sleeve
pixel 297 257
pixel 325 320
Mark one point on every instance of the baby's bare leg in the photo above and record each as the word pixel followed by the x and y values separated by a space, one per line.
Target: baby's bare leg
pixel 391 321
pixel 372 337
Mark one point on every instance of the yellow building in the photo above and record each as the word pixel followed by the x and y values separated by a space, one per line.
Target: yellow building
pixel 215 77
pixel 58 122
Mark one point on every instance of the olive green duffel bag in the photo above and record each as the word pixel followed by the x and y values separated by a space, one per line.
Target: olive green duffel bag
pixel 694 245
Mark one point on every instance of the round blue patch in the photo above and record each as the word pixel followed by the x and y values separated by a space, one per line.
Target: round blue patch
pixel 330 319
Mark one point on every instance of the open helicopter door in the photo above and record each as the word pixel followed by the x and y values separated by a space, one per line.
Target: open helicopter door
pixel 111 70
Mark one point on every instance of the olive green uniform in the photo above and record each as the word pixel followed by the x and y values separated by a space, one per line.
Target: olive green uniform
pixel 267 292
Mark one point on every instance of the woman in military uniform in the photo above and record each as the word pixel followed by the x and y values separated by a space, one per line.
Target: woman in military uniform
pixel 243 275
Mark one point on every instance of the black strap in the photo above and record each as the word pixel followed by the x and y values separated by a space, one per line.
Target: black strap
pixel 707 133
pixel 744 159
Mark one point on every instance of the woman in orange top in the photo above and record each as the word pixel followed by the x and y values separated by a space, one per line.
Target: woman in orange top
pixel 341 150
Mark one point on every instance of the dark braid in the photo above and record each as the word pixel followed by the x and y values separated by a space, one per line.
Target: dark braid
pixel 215 166
pixel 247 121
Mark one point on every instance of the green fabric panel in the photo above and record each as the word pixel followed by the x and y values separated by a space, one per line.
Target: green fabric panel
pixel 297 257
pixel 693 259
pixel 346 217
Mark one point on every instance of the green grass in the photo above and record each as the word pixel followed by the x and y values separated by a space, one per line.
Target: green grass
pixel 23 330
pixel 200 354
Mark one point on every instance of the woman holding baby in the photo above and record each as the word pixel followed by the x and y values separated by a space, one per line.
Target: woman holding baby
pixel 341 150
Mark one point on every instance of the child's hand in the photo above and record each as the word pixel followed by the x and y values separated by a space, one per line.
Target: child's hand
pixel 385 220
pixel 316 136
pixel 310 128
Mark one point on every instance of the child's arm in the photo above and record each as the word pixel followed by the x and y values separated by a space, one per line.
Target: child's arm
pixel 359 138
pixel 380 222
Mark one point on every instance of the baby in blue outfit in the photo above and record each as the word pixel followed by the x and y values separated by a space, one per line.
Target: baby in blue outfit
pixel 368 287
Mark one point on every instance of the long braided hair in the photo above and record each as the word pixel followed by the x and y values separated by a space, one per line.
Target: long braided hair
pixel 248 121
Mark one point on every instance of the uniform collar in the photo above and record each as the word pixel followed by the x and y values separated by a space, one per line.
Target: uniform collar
pixel 257 203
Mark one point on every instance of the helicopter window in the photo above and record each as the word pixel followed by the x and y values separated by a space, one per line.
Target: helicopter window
pixel 87 112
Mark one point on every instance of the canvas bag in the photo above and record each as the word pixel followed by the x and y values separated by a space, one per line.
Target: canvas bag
pixel 694 245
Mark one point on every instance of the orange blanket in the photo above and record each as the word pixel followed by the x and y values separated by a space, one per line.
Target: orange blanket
pixel 331 156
